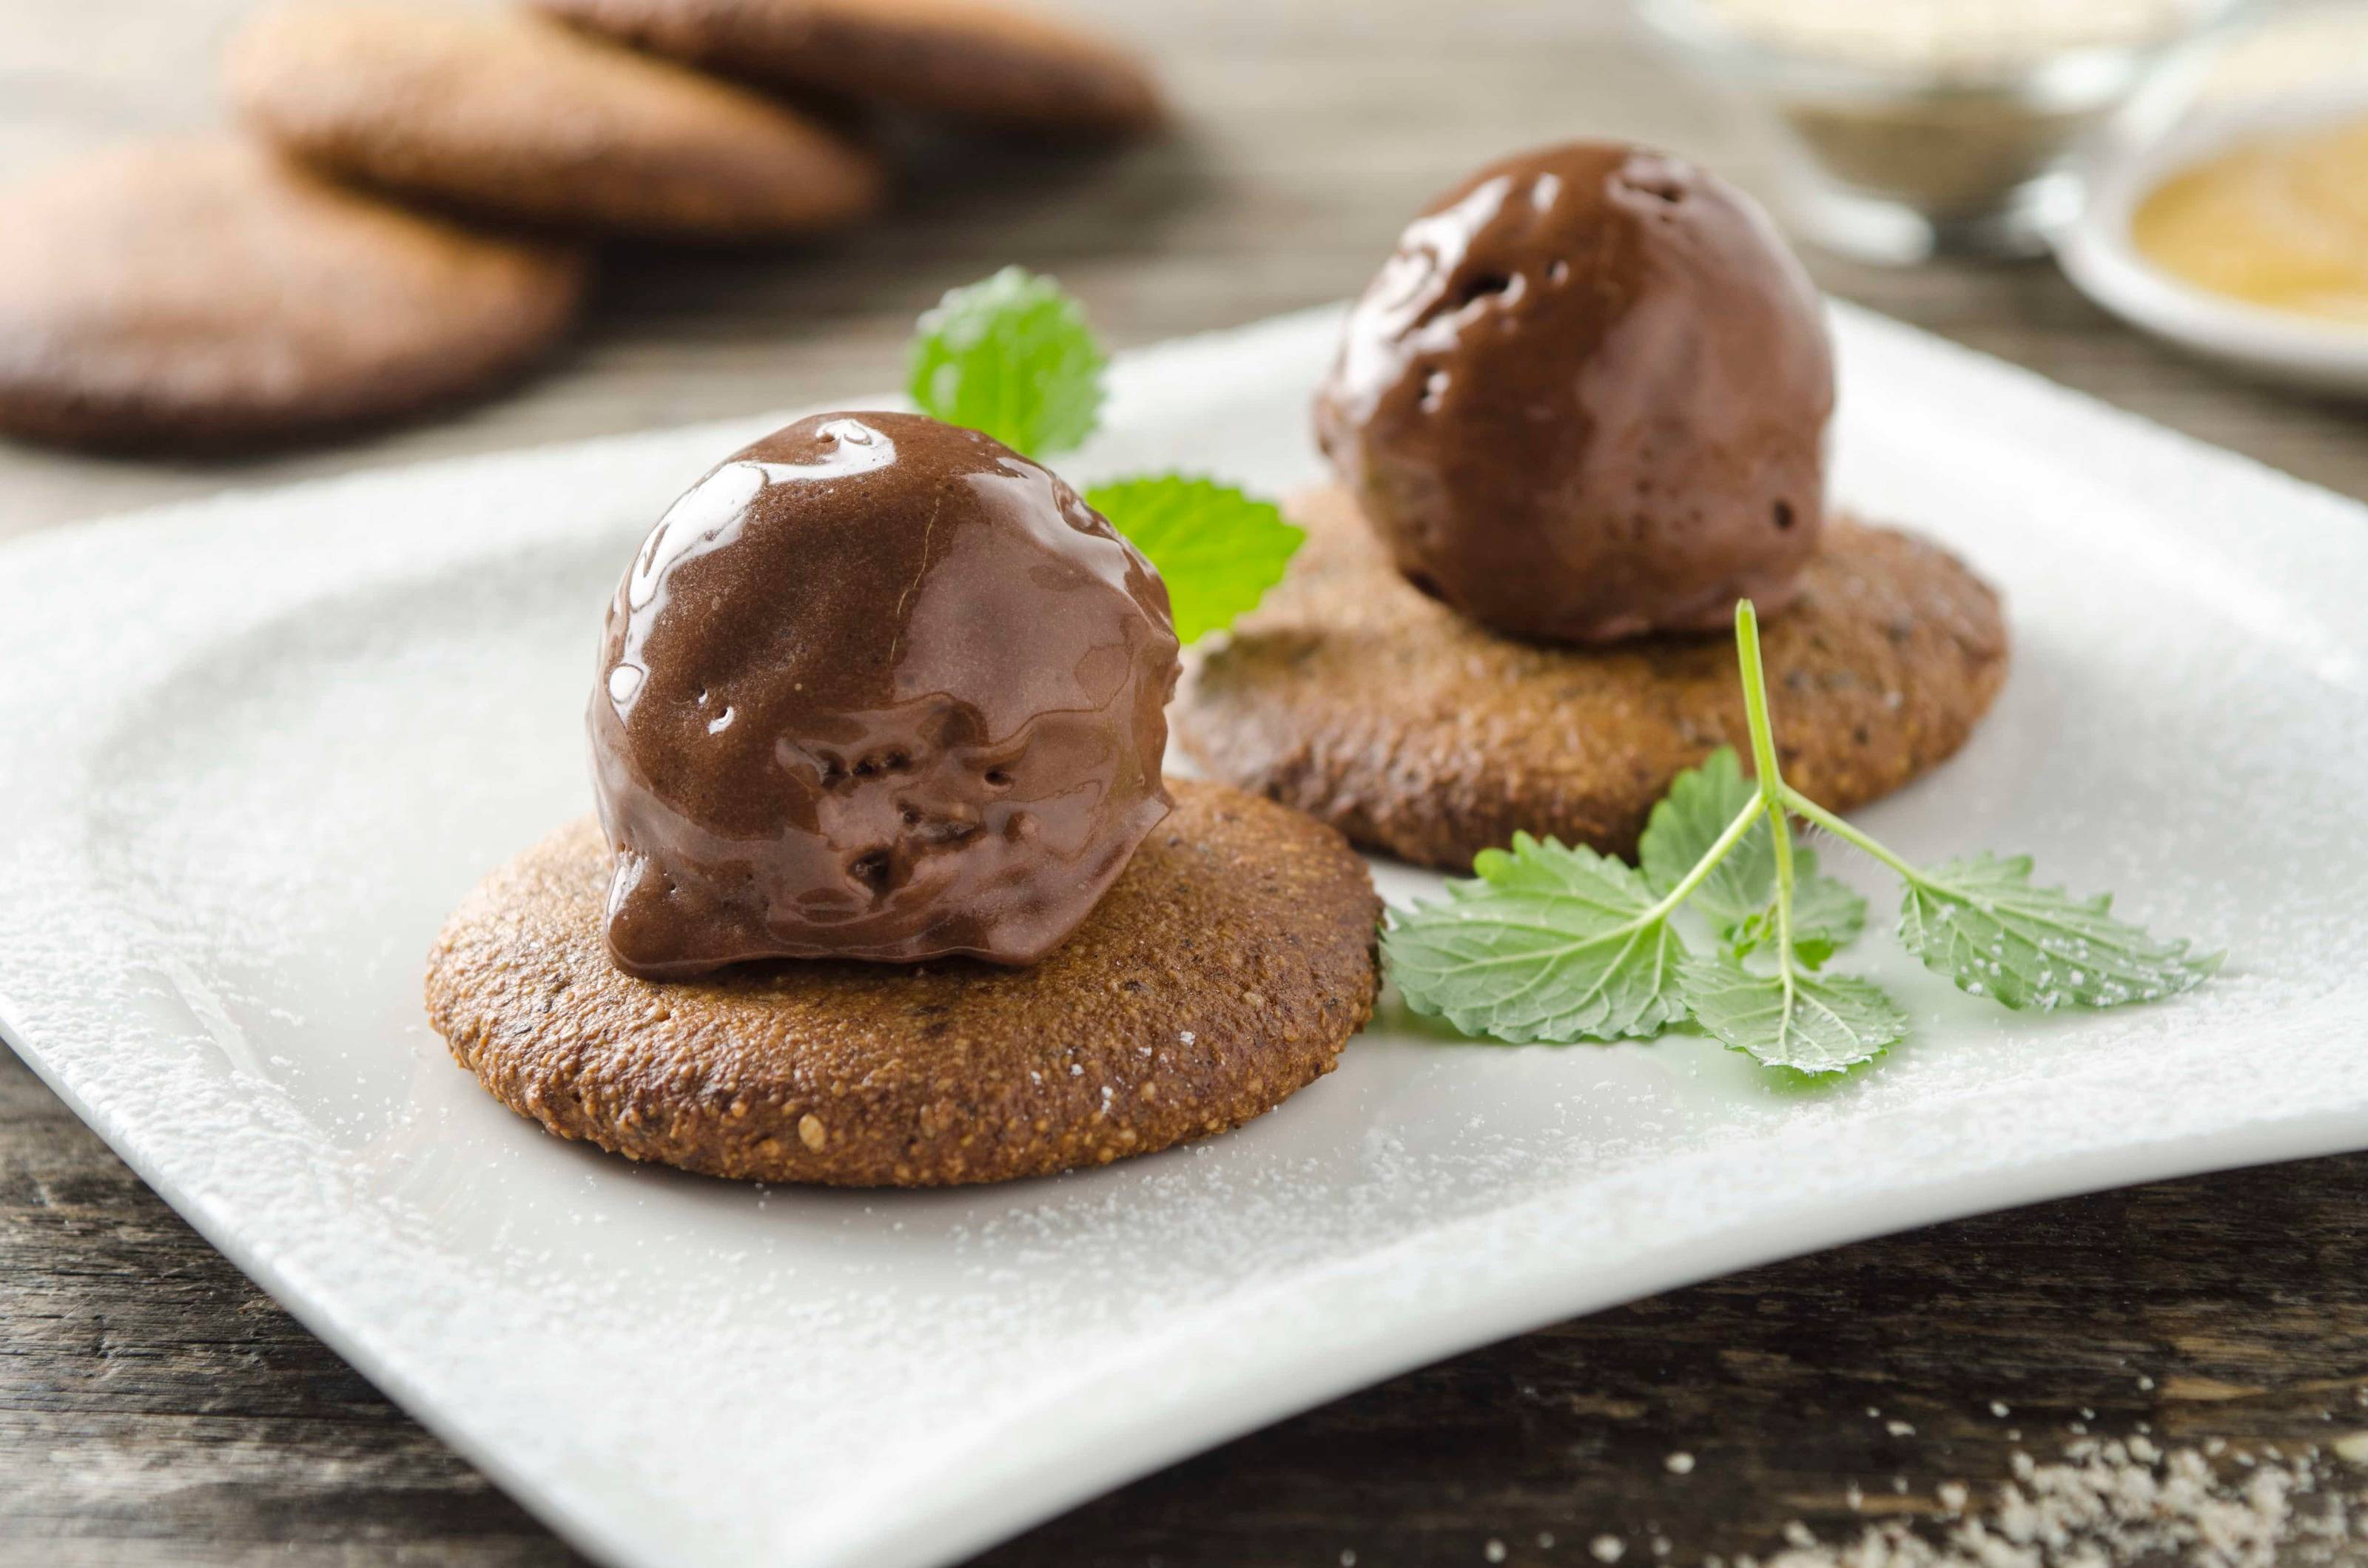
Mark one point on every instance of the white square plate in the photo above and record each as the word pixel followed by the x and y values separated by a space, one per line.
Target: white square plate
pixel 251 752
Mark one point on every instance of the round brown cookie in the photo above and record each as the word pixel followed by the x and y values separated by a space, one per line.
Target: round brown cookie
pixel 207 294
pixel 512 115
pixel 1223 971
pixel 1355 698
pixel 988 64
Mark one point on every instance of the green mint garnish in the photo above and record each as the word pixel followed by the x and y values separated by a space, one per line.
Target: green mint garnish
pixel 1701 802
pixel 1547 943
pixel 1982 924
pixel 1738 896
pixel 1826 917
pixel 1011 357
pixel 1218 549
pixel 1809 1023
pixel 1552 944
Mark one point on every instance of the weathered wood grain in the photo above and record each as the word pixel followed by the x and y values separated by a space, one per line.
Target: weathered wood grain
pixel 2238 1297
pixel 155 1408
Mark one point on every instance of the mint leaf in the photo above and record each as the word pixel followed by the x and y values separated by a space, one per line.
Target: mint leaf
pixel 1550 943
pixel 1826 917
pixel 1701 801
pixel 1218 549
pixel 1806 1022
pixel 1738 897
pixel 1981 923
pixel 1012 357
pixel 1547 943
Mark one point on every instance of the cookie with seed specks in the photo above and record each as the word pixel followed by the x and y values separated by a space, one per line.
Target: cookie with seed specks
pixel 511 115
pixel 994 65
pixel 207 295
pixel 1223 972
pixel 1354 697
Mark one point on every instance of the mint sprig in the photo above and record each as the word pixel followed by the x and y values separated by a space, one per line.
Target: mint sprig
pixel 1548 943
pixel 1738 896
pixel 1555 944
pixel 1701 802
pixel 1808 1023
pixel 1012 357
pixel 1826 917
pixel 1218 549
pixel 1982 924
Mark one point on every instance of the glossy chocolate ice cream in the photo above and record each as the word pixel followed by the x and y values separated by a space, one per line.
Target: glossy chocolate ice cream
pixel 1587 398
pixel 876 687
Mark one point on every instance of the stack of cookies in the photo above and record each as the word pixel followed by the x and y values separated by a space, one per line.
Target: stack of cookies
pixel 408 215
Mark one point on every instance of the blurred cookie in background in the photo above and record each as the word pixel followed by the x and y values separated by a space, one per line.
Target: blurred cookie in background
pixel 990 65
pixel 510 115
pixel 222 293
pixel 206 294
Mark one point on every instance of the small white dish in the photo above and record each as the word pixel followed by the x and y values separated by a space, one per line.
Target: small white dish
pixel 253 750
pixel 1900 137
pixel 2096 252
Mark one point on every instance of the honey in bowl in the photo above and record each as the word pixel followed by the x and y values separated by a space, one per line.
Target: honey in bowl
pixel 2280 222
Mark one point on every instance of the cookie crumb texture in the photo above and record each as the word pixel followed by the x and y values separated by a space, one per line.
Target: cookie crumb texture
pixel 1223 972
pixel 1355 698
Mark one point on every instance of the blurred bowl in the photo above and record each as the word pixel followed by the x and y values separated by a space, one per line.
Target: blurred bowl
pixel 2099 255
pixel 1895 159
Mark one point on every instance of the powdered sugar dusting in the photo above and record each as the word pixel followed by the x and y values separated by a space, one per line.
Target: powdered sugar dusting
pixel 2121 1502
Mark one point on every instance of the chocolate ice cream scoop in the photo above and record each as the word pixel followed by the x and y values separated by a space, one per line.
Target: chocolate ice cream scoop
pixel 876 687
pixel 1587 398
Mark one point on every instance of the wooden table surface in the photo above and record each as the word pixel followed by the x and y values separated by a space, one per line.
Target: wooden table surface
pixel 156 1408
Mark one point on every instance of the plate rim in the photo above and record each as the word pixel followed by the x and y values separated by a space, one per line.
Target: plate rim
pixel 1472 1318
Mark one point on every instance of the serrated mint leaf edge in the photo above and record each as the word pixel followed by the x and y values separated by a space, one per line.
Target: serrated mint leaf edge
pixel 1927 936
pixel 1716 973
pixel 1678 832
pixel 1259 561
pixel 1058 416
pixel 1572 874
pixel 1667 1009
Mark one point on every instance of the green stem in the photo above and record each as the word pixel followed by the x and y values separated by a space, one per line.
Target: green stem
pixel 1805 807
pixel 1783 898
pixel 1772 789
pixel 1755 703
pixel 1703 868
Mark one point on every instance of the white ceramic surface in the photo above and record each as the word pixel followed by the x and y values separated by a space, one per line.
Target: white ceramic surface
pixel 252 749
pixel 2098 255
